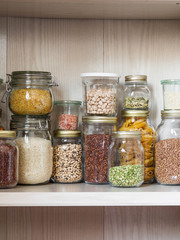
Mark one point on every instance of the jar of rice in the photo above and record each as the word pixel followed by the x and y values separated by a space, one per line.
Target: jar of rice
pixel 35 149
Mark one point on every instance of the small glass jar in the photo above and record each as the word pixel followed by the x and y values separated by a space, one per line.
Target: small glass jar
pixel 97 137
pixel 171 94
pixel 67 114
pixel 9 157
pixel 136 94
pixel 137 120
pixel 35 150
pixel 126 159
pixel 100 91
pixel 30 93
pixel 167 149
pixel 67 157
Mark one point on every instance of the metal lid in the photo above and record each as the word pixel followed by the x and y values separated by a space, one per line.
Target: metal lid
pixel 135 113
pixel 99 75
pixel 170 113
pixel 97 119
pixel 68 134
pixel 7 134
pixel 127 134
pixel 171 81
pixel 66 102
pixel 136 79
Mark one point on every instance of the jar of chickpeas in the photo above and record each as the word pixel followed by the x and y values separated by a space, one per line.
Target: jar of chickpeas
pixel 137 120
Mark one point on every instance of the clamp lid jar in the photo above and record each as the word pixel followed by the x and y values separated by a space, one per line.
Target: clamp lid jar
pixel 30 92
pixel 100 91
pixel 126 159
pixel 136 94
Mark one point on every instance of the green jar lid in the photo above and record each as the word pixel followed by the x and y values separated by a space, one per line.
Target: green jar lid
pixel 99 119
pixel 67 134
pixel 170 81
pixel 127 134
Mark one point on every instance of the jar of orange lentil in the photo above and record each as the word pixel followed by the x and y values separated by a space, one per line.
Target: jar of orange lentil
pixel 30 92
pixel 137 120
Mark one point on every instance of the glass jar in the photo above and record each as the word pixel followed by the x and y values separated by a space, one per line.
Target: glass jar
pixel 126 159
pixel 167 149
pixel 9 159
pixel 136 94
pixel 171 94
pixel 97 137
pixel 67 114
pixel 100 91
pixel 1 125
pixel 30 93
pixel 35 150
pixel 67 157
pixel 137 120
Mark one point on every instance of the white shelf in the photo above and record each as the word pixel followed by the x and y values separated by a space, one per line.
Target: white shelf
pixel 90 195
pixel 97 9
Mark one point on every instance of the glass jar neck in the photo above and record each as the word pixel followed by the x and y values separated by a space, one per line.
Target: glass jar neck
pixel 30 124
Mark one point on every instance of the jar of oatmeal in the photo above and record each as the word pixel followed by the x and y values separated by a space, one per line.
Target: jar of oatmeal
pixel 96 140
pixel 167 148
pixel 100 91
pixel 30 93
pixel 137 120
pixel 126 159
pixel 67 115
pixel 67 157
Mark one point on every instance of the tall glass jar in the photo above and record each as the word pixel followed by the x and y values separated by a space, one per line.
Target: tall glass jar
pixel 30 93
pixel 136 94
pixel 35 150
pixel 167 149
pixel 67 114
pixel 9 158
pixel 67 157
pixel 100 91
pixel 126 159
pixel 137 120
pixel 97 138
pixel 171 94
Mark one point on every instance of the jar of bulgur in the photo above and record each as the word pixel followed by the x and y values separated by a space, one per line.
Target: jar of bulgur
pixel 67 157
pixel 30 93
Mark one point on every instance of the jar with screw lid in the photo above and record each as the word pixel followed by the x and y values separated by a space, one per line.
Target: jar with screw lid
pixel 30 92
pixel 96 140
pixel 9 157
pixel 35 149
pixel 67 157
pixel 136 94
pixel 167 148
pixel 137 120
pixel 126 159
pixel 100 91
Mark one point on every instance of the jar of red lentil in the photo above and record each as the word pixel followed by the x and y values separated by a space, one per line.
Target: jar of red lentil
pixel 30 93
pixel 167 148
pixel 9 159
pixel 67 115
pixel 96 140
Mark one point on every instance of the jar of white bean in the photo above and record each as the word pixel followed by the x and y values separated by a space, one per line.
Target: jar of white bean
pixel 100 92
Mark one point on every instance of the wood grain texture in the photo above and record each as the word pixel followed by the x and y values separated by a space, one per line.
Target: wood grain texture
pixel 144 47
pixel 3 223
pixel 54 223
pixel 142 223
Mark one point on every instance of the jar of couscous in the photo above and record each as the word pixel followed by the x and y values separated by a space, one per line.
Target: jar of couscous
pixel 30 93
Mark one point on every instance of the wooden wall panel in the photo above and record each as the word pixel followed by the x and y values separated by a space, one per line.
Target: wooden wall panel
pixel 144 47
pixel 3 223
pixel 142 223
pixel 68 223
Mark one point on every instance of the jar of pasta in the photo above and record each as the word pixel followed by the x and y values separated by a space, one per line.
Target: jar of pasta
pixel 67 157
pixel 35 150
pixel 97 138
pixel 137 120
pixel 136 94
pixel 126 159
pixel 67 114
pixel 100 91
pixel 167 148
pixel 30 93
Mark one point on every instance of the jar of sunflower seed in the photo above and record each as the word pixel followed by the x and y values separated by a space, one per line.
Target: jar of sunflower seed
pixel 67 157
